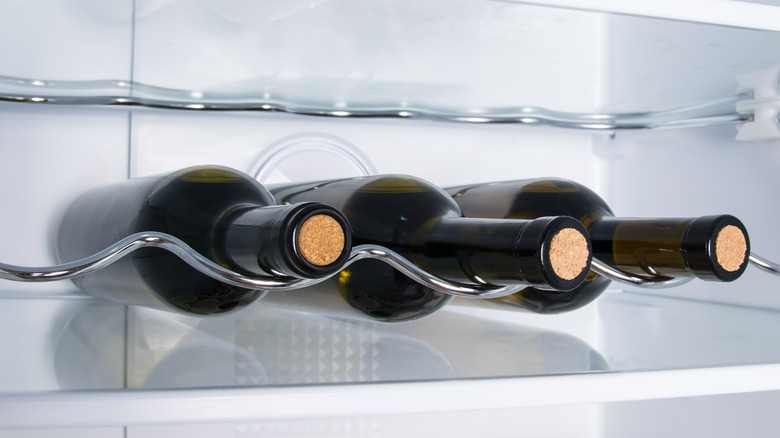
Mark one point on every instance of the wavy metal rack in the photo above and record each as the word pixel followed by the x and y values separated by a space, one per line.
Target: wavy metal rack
pixel 277 283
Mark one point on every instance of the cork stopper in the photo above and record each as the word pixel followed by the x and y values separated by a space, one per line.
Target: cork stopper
pixel 569 253
pixel 730 248
pixel 321 240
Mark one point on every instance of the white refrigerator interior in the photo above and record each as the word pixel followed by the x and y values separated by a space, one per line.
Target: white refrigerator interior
pixel 665 110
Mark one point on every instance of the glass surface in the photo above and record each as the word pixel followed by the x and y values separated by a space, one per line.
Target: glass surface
pixel 82 343
pixel 470 61
pixel 271 345
pixel 645 332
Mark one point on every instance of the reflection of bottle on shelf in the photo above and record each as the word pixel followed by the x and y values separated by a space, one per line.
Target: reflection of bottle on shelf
pixel 296 348
pixel 100 348
pixel 422 223
pixel 89 352
pixel 222 214
pixel 712 248
pixel 480 346
pixel 184 356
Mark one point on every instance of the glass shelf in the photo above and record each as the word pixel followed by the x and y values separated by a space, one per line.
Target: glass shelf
pixel 80 348
pixel 479 62
pixel 98 345
pixel 88 344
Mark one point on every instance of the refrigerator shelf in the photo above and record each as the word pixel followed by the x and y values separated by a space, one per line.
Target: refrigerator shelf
pixel 141 366
pixel 537 63
pixel 118 93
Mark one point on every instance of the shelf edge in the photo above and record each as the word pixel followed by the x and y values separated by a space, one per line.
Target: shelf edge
pixel 247 405
pixel 718 12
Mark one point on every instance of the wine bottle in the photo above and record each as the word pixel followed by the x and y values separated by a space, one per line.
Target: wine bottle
pixel 712 248
pixel 222 214
pixel 422 223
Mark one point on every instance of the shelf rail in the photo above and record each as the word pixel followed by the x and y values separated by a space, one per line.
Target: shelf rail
pixel 121 93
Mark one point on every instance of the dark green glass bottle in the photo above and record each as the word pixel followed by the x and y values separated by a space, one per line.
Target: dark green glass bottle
pixel 422 223
pixel 222 214
pixel 712 248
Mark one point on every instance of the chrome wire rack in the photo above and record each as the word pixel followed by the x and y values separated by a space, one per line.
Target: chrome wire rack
pixel 205 266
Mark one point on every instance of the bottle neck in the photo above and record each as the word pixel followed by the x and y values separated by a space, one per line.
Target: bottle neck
pixel 305 240
pixel 551 253
pixel 712 248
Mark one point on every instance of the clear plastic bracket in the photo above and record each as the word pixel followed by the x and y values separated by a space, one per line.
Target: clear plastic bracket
pixel 763 106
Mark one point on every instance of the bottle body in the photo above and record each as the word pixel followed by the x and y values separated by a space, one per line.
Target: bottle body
pixel 372 286
pixel 713 248
pixel 661 247
pixel 221 213
pixel 423 224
